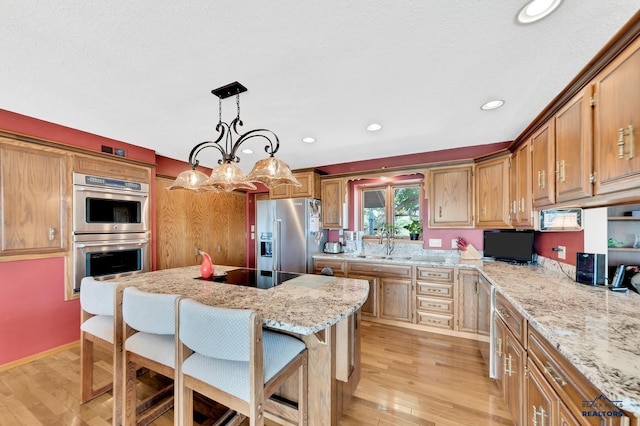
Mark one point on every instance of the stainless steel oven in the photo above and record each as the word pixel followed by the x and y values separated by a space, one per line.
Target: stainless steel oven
pixel 103 205
pixel 105 256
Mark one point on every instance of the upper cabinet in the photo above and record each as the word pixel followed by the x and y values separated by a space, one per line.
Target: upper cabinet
pixel 492 193
pixel 542 160
pixel 310 188
pixel 34 198
pixel 617 120
pixel 333 198
pixel 520 205
pixel 574 148
pixel 450 196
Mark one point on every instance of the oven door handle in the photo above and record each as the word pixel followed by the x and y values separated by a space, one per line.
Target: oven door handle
pixel 118 191
pixel 112 243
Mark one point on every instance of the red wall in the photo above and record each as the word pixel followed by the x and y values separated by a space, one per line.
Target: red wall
pixel 573 241
pixel 34 316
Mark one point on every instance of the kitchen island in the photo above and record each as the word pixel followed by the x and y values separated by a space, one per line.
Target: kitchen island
pixel 322 311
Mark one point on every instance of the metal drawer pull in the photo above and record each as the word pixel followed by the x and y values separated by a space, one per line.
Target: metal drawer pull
pixel 621 142
pixel 536 413
pixel 555 376
pixel 503 312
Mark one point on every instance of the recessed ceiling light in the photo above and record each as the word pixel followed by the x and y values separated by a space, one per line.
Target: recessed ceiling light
pixel 374 127
pixel 492 105
pixel 536 10
pixel 247 151
pixel 308 139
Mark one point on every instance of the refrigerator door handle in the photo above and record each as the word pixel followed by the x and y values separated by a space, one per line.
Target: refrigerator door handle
pixel 277 226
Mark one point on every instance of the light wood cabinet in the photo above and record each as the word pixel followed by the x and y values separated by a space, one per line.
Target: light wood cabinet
pixel 521 196
pixel 337 266
pixel 543 165
pixel 574 148
pixel 617 123
pixel 450 196
pixel 390 289
pixel 513 364
pixel 552 371
pixel 492 193
pixel 213 222
pixel 115 169
pixel 467 312
pixel 333 199
pixel 541 399
pixel 435 297
pixel 310 188
pixel 35 199
pixel 395 299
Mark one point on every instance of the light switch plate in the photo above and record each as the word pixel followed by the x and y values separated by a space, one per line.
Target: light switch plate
pixel 454 243
pixel 435 242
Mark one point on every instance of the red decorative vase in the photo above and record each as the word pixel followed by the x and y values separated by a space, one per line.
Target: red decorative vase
pixel 206 268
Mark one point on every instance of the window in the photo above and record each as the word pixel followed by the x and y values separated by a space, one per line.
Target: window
pixel 396 203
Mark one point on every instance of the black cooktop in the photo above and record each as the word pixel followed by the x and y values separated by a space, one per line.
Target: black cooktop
pixel 256 278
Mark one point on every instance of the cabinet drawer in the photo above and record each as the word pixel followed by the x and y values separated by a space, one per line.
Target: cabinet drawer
pixel 434 305
pixel 572 388
pixel 337 266
pixel 441 275
pixel 512 318
pixel 435 320
pixel 435 289
pixel 379 269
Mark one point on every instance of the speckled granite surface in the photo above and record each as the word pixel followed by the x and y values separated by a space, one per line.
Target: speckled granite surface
pixel 302 309
pixel 597 330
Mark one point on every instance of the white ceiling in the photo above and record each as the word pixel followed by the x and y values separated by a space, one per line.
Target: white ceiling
pixel 141 71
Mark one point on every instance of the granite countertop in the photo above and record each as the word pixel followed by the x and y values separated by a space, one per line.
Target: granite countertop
pixel 303 305
pixel 595 329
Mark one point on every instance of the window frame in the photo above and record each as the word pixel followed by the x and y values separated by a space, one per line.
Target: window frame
pixel 389 188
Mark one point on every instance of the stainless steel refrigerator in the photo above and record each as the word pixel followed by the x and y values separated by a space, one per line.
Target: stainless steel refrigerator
pixel 288 234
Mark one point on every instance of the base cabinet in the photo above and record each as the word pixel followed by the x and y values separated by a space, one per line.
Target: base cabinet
pixel 395 299
pixel 370 307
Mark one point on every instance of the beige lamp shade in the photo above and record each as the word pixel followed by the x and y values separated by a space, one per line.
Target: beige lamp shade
pixel 227 177
pixel 191 180
pixel 272 172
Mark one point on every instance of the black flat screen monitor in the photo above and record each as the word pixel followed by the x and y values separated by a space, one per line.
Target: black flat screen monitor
pixel 510 245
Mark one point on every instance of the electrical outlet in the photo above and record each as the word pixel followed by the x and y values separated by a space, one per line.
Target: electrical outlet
pixel 562 252
pixel 435 242
pixel 454 243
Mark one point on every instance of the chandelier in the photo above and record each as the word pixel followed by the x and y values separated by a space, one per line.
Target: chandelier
pixel 227 177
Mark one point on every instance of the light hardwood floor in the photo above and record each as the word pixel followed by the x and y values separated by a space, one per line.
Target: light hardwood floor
pixel 408 378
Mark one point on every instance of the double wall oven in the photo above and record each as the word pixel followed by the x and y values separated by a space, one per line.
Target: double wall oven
pixel 110 228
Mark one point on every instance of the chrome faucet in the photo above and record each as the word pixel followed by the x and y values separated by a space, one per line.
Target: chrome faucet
pixel 388 243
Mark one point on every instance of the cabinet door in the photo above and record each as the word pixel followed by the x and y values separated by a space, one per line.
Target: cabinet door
pixel 574 148
pixel 450 197
pixel 395 299
pixel 280 192
pixel 34 199
pixel 541 399
pixel 308 182
pixel 521 203
pixel 332 194
pixel 492 193
pixel 467 309
pixel 543 163
pixel 513 363
pixel 617 123
pixel 370 307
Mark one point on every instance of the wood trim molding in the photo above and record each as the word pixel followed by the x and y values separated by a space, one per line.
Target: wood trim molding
pixel 31 358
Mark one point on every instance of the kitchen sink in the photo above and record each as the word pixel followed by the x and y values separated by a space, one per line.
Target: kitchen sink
pixel 366 256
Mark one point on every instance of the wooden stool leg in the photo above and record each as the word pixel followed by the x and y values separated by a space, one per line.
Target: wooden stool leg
pixel 129 402
pixel 186 409
pixel 302 391
pixel 86 369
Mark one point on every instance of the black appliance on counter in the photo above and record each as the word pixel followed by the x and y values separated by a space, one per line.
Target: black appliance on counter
pixel 510 245
pixel 256 278
pixel 590 268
